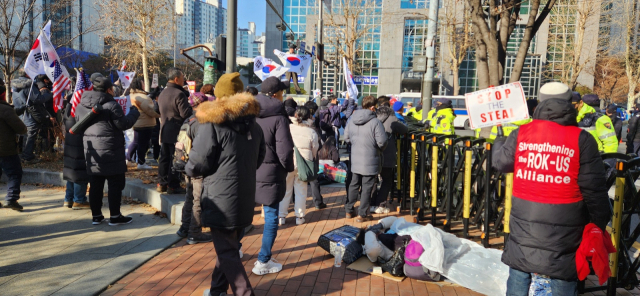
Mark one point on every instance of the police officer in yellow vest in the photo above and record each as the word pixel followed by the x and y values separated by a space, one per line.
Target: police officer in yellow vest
pixel 416 112
pixel 583 109
pixel 598 124
pixel 442 121
pixel 507 128
pixel 430 116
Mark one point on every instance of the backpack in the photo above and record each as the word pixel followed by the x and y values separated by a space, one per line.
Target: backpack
pixel 413 268
pixel 325 116
pixel 183 147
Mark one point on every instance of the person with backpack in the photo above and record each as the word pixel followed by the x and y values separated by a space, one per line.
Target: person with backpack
pixel 324 118
pixel 314 184
pixel 305 141
pixel 104 149
pixel 191 227
pixel 227 152
pixel 335 117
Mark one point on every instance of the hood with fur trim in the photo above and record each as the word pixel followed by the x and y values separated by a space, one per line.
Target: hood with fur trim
pixel 228 109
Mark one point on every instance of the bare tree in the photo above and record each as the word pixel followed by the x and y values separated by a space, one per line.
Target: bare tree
pixel 610 79
pixel 351 23
pixel 492 30
pixel 628 11
pixel 138 31
pixel 571 50
pixel 457 30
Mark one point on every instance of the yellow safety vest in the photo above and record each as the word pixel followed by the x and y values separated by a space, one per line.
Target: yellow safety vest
pixel 586 109
pixel 444 122
pixel 415 114
pixel 605 134
pixel 507 128
pixel 430 118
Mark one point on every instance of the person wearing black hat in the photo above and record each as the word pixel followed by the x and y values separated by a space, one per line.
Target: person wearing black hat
pixel 598 125
pixel 292 75
pixel 443 119
pixel 103 143
pixel 271 178
pixel 612 113
pixel 633 136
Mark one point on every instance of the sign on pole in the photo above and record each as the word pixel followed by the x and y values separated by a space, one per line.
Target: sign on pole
pixel 210 71
pixel 154 82
pixel 192 86
pixel 419 63
pixel 125 103
pixel 496 105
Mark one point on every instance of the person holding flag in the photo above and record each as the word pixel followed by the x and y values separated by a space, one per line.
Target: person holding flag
pixel 75 167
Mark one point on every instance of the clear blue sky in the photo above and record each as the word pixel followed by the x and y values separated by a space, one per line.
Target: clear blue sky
pixel 251 11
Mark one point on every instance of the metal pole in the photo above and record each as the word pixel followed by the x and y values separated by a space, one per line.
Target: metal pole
pixel 427 79
pixel 175 37
pixel 320 31
pixel 434 181
pixel 412 174
pixel 508 194
pixel 232 24
pixel 487 197
pixel 616 225
pixel 450 166
pixel 468 162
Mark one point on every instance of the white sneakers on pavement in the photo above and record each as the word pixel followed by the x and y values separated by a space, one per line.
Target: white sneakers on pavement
pixel 382 210
pixel 265 268
pixel 299 221
pixel 281 221
pixel 241 254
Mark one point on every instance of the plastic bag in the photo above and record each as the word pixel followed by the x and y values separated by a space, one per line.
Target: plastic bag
pixel 540 285
pixel 402 227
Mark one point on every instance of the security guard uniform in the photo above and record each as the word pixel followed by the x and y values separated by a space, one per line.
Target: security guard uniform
pixel 507 128
pixel 598 125
pixel 430 118
pixel 415 114
pixel 444 122
pixel 586 109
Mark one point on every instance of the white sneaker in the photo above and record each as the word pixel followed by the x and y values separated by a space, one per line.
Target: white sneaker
pixel 144 167
pixel 382 210
pixel 372 209
pixel 281 221
pixel 264 268
pixel 241 253
pixel 130 163
pixel 299 221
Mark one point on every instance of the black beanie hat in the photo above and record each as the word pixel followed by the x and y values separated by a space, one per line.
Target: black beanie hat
pixel 102 84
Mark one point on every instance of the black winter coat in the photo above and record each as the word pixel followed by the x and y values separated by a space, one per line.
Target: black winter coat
pixel 227 151
pixel 278 160
pixel 104 139
pixel 633 134
pixel 21 95
pixel 75 167
pixel 545 237
pixel 392 126
pixel 174 110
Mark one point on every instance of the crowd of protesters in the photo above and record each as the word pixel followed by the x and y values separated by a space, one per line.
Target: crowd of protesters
pixel 235 148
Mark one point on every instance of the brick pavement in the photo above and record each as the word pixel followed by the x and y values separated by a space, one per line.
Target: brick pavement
pixel 307 269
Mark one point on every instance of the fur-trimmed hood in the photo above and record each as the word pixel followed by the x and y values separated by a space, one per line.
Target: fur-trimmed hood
pixel 227 110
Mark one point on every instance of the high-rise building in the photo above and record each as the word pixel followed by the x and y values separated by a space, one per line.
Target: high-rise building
pixel 247 44
pixel 397 32
pixel 201 22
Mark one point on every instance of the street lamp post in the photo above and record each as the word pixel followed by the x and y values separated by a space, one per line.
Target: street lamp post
pixel 232 23
pixel 427 82
pixel 320 33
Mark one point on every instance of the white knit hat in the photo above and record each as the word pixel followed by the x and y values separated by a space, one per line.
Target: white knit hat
pixel 554 90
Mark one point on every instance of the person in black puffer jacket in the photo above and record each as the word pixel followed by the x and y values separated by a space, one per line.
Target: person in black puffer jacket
pixel 227 151
pixel 278 162
pixel 104 148
pixel 393 127
pixel 75 166
pixel 27 95
pixel 557 191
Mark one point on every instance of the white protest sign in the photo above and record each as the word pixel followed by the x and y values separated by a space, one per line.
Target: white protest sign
pixel 496 105
pixel 154 82
pixel 125 103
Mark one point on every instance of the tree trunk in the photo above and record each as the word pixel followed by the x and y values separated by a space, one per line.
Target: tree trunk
pixel 7 77
pixel 456 83
pixel 529 32
pixel 145 69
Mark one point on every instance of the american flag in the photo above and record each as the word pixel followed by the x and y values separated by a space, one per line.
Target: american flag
pixel 82 84
pixel 60 83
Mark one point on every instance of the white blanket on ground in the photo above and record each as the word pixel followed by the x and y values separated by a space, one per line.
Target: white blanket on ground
pixel 462 261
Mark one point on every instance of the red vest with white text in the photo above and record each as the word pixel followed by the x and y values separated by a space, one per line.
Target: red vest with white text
pixel 547 163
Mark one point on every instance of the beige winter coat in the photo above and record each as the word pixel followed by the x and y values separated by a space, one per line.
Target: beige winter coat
pixel 145 106
pixel 305 139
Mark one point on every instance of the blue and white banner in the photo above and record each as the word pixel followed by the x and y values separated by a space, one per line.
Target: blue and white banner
pixel 352 89
pixel 365 80
pixel 296 63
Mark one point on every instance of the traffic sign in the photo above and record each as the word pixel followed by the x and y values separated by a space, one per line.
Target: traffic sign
pixel 419 63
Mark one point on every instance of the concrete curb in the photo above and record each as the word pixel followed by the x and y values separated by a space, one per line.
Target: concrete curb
pixel 134 188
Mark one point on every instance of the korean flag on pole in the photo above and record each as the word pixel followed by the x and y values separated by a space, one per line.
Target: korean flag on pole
pixel 297 63
pixel 352 89
pixel 126 78
pixel 265 68
pixel 33 65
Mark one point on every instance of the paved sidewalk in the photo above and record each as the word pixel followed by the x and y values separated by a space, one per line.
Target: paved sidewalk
pixel 51 250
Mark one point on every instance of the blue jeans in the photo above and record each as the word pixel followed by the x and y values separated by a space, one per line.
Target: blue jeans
pixel 270 232
pixel 13 168
pixel 76 192
pixel 519 282
pixel 30 142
